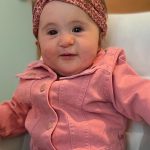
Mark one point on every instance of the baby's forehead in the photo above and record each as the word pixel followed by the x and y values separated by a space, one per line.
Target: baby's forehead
pixel 57 7
pixel 67 12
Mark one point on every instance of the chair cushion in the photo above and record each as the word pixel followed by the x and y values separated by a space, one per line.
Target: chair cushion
pixel 131 32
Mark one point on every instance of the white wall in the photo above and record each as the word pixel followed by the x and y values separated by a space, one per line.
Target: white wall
pixel 16 43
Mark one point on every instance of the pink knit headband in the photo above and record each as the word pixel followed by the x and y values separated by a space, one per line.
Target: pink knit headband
pixel 94 8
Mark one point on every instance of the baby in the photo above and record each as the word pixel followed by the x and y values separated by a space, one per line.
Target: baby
pixel 79 96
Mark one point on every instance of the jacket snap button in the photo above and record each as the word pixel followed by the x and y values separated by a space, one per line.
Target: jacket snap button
pixel 50 125
pixel 42 88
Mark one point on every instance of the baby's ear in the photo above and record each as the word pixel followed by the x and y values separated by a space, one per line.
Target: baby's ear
pixel 38 48
pixel 100 40
pixel 37 44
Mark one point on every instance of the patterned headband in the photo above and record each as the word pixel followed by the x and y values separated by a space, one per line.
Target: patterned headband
pixel 94 8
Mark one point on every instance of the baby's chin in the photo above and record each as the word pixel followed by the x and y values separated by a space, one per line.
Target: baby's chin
pixel 66 74
pixel 69 73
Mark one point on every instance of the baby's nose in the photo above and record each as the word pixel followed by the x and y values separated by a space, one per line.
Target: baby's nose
pixel 66 40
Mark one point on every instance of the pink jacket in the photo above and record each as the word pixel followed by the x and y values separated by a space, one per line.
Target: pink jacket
pixel 87 111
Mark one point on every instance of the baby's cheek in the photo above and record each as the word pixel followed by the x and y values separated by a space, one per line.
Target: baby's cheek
pixel 45 54
pixel 45 58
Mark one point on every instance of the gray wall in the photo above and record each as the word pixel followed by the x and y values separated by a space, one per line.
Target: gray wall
pixel 16 43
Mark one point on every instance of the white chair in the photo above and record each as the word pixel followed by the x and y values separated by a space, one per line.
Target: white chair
pixel 132 32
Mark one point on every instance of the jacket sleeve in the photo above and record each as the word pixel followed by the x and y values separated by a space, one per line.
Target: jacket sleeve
pixel 130 92
pixel 13 113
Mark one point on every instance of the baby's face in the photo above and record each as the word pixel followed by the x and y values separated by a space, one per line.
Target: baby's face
pixel 68 38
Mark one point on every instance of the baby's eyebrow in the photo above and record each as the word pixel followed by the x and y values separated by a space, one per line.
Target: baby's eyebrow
pixel 49 24
pixel 80 22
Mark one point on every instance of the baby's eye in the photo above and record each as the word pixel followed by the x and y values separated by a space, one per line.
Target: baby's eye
pixel 52 32
pixel 77 29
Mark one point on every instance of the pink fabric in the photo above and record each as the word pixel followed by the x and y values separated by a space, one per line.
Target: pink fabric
pixel 81 112
pixel 94 8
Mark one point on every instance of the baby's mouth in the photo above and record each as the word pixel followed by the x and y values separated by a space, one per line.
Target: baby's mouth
pixel 67 55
